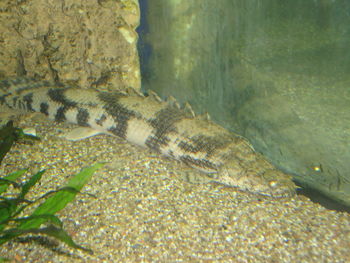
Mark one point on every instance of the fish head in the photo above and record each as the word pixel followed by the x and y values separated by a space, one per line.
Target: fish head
pixel 268 182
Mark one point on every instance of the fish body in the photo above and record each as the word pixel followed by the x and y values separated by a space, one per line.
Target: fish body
pixel 162 126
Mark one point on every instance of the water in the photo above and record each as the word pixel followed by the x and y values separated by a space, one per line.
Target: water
pixel 276 72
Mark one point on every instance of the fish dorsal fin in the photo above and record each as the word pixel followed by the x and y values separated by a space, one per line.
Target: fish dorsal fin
pixel 133 92
pixel 188 110
pixel 205 116
pixel 153 96
pixel 173 102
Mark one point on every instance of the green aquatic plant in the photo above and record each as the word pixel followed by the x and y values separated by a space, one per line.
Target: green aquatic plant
pixel 13 202
pixel 9 135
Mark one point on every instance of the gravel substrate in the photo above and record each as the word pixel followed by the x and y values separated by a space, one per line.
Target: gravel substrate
pixel 146 212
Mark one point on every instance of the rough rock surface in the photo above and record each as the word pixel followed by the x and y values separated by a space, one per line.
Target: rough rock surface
pixel 81 42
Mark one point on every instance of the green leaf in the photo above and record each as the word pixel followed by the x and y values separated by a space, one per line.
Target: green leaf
pixel 11 178
pixel 65 188
pixel 62 235
pixel 7 130
pixel 8 135
pixel 9 209
pixel 2 259
pixel 47 217
pixel 51 230
pixel 30 183
pixel 60 199
pixel 7 138
pixel 5 146
pixel 6 183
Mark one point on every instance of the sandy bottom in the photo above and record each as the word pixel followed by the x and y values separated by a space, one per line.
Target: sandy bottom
pixel 146 212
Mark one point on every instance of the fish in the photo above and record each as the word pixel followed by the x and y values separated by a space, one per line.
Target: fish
pixel 162 126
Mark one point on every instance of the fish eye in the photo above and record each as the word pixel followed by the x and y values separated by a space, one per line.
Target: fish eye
pixel 273 183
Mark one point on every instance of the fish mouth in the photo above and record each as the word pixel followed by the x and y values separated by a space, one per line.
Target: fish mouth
pixel 282 191
pixel 279 184
pixel 286 193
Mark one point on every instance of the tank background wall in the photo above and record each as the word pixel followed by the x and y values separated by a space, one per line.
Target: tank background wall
pixel 275 72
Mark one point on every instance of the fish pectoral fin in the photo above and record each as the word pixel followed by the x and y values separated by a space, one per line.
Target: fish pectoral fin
pixel 192 176
pixel 81 133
